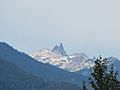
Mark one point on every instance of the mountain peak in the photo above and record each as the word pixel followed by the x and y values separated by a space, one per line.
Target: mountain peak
pixel 61 45
pixel 4 45
pixel 59 50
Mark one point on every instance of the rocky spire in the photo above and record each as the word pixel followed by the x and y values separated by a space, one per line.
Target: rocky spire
pixel 59 50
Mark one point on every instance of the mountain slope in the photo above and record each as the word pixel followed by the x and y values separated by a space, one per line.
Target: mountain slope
pixel 116 63
pixel 13 78
pixel 36 68
pixel 112 61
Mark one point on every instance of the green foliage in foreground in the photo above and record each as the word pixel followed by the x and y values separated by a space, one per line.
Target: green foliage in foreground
pixel 103 77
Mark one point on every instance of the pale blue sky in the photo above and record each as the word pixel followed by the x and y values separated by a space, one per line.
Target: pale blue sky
pixel 88 26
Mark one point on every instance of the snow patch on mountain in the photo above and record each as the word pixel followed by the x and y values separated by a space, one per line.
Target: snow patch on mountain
pixel 71 63
pixel 78 62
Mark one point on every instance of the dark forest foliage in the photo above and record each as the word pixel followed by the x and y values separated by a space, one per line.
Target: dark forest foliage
pixel 13 78
pixel 103 77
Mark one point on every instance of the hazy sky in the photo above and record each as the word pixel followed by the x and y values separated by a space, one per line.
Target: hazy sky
pixel 88 26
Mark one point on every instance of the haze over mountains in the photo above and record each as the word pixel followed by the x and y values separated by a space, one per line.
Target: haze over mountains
pixel 78 62
pixel 9 55
pixel 49 70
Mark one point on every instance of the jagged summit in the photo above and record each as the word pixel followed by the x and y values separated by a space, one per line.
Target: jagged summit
pixel 58 57
pixel 59 50
pixel 76 62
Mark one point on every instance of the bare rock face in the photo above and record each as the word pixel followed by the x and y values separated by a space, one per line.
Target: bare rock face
pixel 59 50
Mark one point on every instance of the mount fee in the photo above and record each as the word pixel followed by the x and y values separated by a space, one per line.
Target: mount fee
pixel 58 57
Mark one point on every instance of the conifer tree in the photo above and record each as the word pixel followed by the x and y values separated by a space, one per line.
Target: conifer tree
pixel 102 77
pixel 84 86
